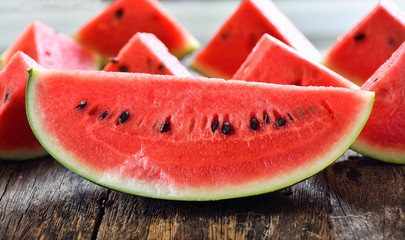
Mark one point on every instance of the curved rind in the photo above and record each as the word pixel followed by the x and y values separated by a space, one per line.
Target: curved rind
pixel 23 155
pixel 196 194
pixel 385 155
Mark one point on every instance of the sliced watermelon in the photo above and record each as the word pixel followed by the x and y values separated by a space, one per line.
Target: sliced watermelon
pixel 50 49
pixel 284 65
pixel 110 31
pixel 383 137
pixel 17 142
pixel 230 46
pixel 144 53
pixel 191 138
pixel 359 53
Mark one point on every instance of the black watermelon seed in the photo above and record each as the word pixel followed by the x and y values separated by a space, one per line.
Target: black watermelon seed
pixel 104 115
pixel 81 105
pixel 114 60
pixel 6 96
pixel 281 122
pixel 391 42
pixel 266 119
pixel 123 69
pixel 254 123
pixel 359 37
pixel 124 116
pixel 290 117
pixel 165 127
pixel 214 125
pixel 375 80
pixel 224 35
pixel 301 113
pixel 119 13
pixel 226 128
pixel 161 67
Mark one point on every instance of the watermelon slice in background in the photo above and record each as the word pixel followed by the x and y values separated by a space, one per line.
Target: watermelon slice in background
pixel 17 142
pixel 108 32
pixel 191 138
pixel 284 65
pixel 145 53
pixel 230 46
pixel 358 54
pixel 50 49
pixel 383 137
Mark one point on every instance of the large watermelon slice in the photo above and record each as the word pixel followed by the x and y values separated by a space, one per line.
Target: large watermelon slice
pixel 50 49
pixel 359 53
pixel 284 65
pixel 108 32
pixel 191 138
pixel 230 46
pixel 383 137
pixel 145 53
pixel 17 142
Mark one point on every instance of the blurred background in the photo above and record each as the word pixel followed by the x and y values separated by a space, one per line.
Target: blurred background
pixel 322 21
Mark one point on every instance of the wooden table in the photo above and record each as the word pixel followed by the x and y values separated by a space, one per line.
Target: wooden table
pixel 355 198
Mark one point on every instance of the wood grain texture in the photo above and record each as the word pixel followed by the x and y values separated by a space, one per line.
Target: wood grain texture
pixel 42 200
pixel 355 198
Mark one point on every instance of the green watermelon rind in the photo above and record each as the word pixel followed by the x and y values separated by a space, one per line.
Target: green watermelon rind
pixel 195 194
pixel 23 154
pixel 385 155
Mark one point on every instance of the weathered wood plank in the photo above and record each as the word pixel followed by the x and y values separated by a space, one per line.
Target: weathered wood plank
pixel 42 199
pixel 356 198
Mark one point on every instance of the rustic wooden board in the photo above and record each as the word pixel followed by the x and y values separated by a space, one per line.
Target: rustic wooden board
pixel 42 200
pixel 355 198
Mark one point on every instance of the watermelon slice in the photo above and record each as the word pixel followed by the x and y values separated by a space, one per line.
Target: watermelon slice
pixel 284 65
pixel 191 138
pixel 383 137
pixel 144 53
pixel 17 142
pixel 110 31
pixel 50 49
pixel 230 46
pixel 359 53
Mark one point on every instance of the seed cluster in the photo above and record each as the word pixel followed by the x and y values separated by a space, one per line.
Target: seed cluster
pixel 226 128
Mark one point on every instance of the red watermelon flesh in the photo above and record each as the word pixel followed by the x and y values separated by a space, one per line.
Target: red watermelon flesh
pixel 191 138
pixel 50 49
pixel 359 53
pixel 110 31
pixel 144 53
pixel 17 142
pixel 272 61
pixel 230 46
pixel 383 137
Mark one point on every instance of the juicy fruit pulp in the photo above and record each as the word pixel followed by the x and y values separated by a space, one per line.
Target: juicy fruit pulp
pixel 230 46
pixel 362 50
pixel 191 138
pixel 284 65
pixel 109 32
pixel 50 49
pixel 144 53
pixel 383 137
pixel 17 142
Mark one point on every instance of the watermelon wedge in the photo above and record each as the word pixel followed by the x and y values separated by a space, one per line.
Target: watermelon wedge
pixel 362 50
pixel 17 142
pixel 233 42
pixel 284 65
pixel 191 138
pixel 383 137
pixel 145 53
pixel 50 49
pixel 108 32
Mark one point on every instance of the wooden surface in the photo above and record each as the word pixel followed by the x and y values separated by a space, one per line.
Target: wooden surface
pixel 355 198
